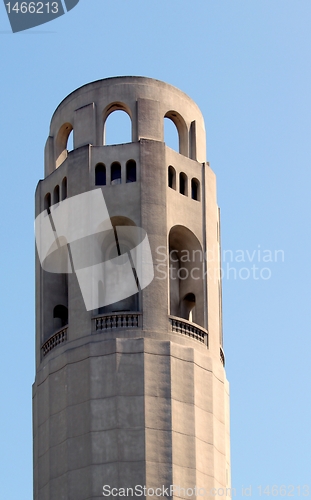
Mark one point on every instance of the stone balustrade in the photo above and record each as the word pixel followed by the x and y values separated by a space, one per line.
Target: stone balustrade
pixel 56 339
pixel 118 320
pixel 185 327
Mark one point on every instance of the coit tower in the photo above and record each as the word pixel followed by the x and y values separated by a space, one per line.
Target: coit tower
pixel 130 388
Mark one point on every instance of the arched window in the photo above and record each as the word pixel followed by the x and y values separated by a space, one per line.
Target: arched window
pixel 115 173
pixel 64 142
pixel 171 136
pixel 117 127
pixel 64 188
pixel 47 202
pixel 183 184
pixel 195 189
pixel 176 132
pixel 100 175
pixel 186 276
pixel 171 177
pixel 60 315
pixel 56 195
pixel 131 171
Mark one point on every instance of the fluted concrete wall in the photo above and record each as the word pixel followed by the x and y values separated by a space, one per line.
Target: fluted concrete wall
pixel 127 412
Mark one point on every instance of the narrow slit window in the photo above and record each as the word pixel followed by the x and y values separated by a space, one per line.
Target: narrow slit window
pixel 100 175
pixel 64 188
pixel 195 189
pixel 171 177
pixel 56 195
pixel 131 171
pixel 47 202
pixel 183 187
pixel 115 173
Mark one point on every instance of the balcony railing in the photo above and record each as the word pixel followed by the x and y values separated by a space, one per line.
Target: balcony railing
pixel 118 320
pixel 187 328
pixel 56 339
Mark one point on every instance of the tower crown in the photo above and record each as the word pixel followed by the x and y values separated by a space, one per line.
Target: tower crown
pixel 145 100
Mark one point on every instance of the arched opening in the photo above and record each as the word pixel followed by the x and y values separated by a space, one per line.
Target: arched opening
pixel 56 195
pixel 176 132
pixel 131 171
pixel 100 175
pixel 186 275
pixel 62 144
pixel 115 248
pixel 70 141
pixel 115 173
pixel 54 282
pixel 64 188
pixel 187 306
pixel 47 202
pixel 60 316
pixel 117 126
pixel 183 184
pixel 172 177
pixel 195 189
pixel 171 136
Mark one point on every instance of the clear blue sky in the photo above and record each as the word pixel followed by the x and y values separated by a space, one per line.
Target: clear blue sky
pixel 247 65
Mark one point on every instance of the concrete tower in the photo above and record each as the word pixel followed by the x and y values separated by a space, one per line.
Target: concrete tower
pixel 133 393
